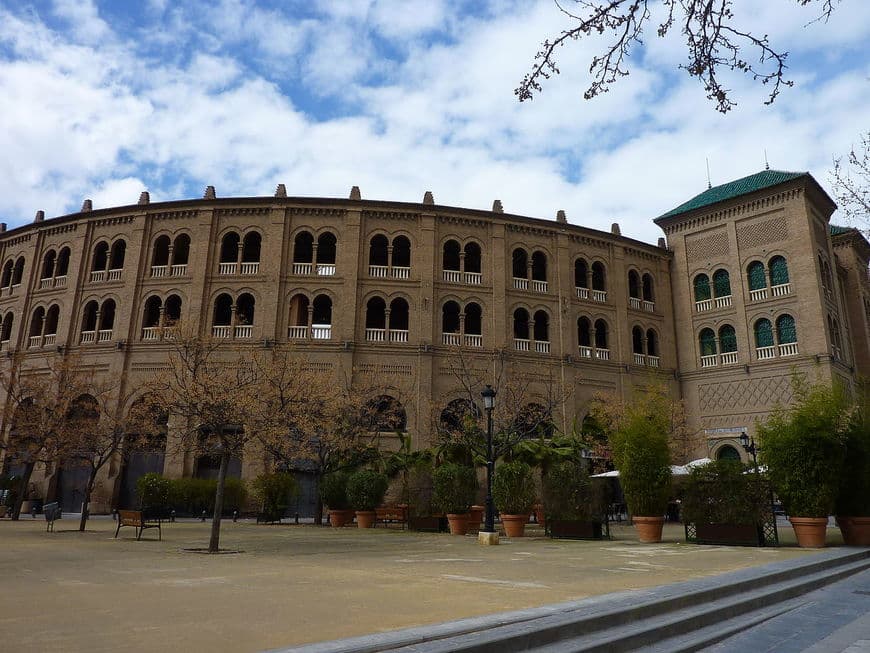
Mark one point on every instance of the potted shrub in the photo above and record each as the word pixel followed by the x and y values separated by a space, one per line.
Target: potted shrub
pixel 576 508
pixel 853 497
pixel 333 492
pixel 272 492
pixel 422 515
pixel 454 489
pixel 802 447
pixel 722 504
pixel 640 451
pixel 513 492
pixel 365 492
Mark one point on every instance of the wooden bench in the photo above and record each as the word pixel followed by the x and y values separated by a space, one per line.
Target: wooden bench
pixel 392 515
pixel 136 519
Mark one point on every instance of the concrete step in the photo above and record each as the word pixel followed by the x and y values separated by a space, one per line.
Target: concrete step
pixel 622 621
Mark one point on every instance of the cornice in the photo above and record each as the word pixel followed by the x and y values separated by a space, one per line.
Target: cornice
pixel 243 211
pixel 391 215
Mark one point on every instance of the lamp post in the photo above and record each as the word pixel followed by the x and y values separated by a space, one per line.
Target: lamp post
pixel 750 447
pixel 488 534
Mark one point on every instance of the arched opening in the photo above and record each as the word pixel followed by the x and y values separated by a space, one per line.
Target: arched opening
pixel 542 326
pixel 601 332
pixel 89 316
pixel 62 262
pixel 37 322
pixel 376 313
pixel 648 288
pixel 521 324
pixel 637 340
pixel 151 314
pixel 303 248
pixel 584 334
pixel 181 250
pixel 107 315
pixel 599 276
pixel 401 252
pixel 786 331
pixel 721 283
pixel 450 318
pixel 7 275
pixel 161 252
pixel 652 343
pixel 520 263
pixel 119 251
pixel 101 257
pixel 245 305
pixel 458 412
pixel 321 317
pixel 251 247
pixel 581 271
pixel 539 266
pixel 326 248
pixel 473 319
pixel 633 284
pixel 6 331
pixel 298 316
pixel 48 264
pixel 755 275
pixel 230 247
pixel 727 452
pixel 172 310
pixel 779 271
pixel 763 333
pixel 399 315
pixel 473 258
pixel 223 310
pixel 378 251
pixel 18 274
pixel 727 339
pixel 386 414
pixel 702 287
pixel 707 342
pixel 51 320
pixel 148 457
pixel 533 421
pixel 450 256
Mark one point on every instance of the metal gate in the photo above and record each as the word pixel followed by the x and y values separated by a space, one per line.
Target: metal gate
pixel 71 484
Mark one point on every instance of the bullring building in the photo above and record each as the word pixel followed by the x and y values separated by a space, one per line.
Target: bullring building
pixel 750 284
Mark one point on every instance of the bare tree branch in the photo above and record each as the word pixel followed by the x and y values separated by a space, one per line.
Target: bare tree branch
pixel 851 181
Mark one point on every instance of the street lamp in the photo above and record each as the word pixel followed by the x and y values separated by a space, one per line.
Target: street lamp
pixel 488 534
pixel 750 447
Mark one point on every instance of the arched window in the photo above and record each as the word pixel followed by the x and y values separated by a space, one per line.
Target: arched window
pixel 702 287
pixel 454 416
pixel 778 271
pixel 633 284
pixel 48 262
pixel 245 305
pixel 532 421
pixel 399 318
pixel 401 252
pixel 727 452
pixel 584 335
pixel 727 339
pixel 18 274
pixel 172 310
pixel 6 329
pixel 648 288
pixel 599 276
pixel 251 247
pixel 707 341
pixel 519 264
pixel 542 326
pixel 386 414
pixel 378 253
pixel 51 320
pixel 223 310
pixel 785 329
pixel 376 315
pixel 473 319
pixel 721 283
pixel 62 266
pixel 637 340
pixel 652 343
pixel 756 276
pixel 116 258
pixel 303 248
pixel 7 275
pixel 298 318
pixel 581 272
pixel 101 257
pixel 230 247
pixel 450 318
pixel 601 331
pixel 450 257
pixel 521 324
pixel 160 257
pixel 473 258
pixel 36 323
pixel 763 333
pixel 89 320
pixel 107 317
pixel 326 252
pixel 151 314
pixel 321 316
pixel 181 250
pixel 539 266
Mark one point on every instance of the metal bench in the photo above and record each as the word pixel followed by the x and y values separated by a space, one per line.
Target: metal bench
pixel 51 512
pixel 392 515
pixel 137 520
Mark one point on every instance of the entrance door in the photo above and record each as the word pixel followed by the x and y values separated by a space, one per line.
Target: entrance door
pixel 137 466
pixel 71 485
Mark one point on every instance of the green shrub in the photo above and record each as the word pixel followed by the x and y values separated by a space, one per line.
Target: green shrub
pixel 366 489
pixel 569 493
pixel 640 451
pixel 453 488
pixel 272 491
pixel 722 493
pixel 803 448
pixel 513 488
pixel 193 495
pixel 853 496
pixel 333 491
pixel 152 491
pixel 420 489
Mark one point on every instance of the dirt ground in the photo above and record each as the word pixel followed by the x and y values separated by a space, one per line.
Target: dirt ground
pixel 294 584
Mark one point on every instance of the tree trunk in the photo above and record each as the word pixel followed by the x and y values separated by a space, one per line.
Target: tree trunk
pixel 214 542
pixel 92 477
pixel 22 490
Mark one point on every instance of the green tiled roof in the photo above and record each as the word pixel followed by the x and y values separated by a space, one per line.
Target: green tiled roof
pixel 836 230
pixel 759 180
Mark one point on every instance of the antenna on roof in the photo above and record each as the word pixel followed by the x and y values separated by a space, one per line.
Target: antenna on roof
pixel 709 185
pixel 766 164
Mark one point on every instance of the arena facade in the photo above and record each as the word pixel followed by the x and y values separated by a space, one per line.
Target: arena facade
pixel 752 284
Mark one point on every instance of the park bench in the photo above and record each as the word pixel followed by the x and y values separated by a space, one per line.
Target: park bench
pixel 392 515
pixel 137 520
pixel 51 512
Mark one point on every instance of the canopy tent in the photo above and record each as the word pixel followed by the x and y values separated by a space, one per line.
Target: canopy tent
pixel 676 470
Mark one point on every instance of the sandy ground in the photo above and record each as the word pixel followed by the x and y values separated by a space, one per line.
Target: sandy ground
pixel 293 584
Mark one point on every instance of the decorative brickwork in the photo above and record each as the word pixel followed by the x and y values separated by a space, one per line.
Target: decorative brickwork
pixel 707 246
pixel 756 234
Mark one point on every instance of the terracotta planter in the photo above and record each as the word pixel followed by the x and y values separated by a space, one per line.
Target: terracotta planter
pixel 856 530
pixel 649 529
pixel 338 518
pixel 514 525
pixel 458 523
pixel 810 531
pixel 366 518
pixel 540 515
pixel 475 516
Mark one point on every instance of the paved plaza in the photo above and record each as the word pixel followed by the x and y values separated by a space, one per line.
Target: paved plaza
pixel 293 584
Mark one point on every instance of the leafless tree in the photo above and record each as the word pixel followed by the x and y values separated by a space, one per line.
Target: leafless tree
pixel 715 43
pixel 851 181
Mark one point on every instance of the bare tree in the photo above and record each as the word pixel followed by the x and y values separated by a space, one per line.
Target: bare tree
pixel 209 391
pixel 40 400
pixel 715 43
pixel 851 180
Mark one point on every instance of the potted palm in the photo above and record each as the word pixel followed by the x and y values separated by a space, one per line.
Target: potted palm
pixel 454 489
pixel 333 492
pixel 365 492
pixel 513 492
pixel 640 450
pixel 576 508
pixel 853 498
pixel 803 448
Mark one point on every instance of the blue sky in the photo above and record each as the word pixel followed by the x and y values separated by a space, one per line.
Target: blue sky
pixel 103 99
